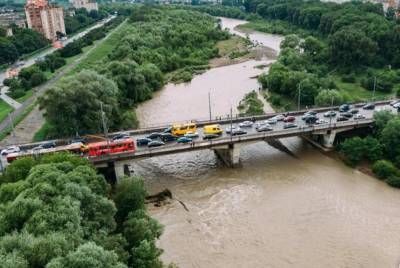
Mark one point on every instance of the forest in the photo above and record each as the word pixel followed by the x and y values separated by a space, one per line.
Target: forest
pixel 158 44
pixel 57 211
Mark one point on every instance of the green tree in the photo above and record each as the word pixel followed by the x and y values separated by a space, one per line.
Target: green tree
pixel 290 41
pixel 353 149
pixel 390 138
pixel 381 118
pixel 384 169
pixel 325 97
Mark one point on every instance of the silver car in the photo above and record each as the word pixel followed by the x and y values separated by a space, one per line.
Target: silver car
pixel 246 124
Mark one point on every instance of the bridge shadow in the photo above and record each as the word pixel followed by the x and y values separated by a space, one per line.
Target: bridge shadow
pixel 277 144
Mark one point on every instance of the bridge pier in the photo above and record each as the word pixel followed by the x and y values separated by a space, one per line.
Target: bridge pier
pixel 230 154
pixel 328 139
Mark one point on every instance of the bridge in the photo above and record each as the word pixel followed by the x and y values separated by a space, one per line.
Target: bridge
pixel 227 147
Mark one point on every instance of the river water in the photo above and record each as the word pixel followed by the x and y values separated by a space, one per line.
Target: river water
pixel 275 210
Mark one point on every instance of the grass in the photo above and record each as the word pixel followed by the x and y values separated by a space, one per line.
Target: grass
pixel 27 95
pixel 5 109
pixel 17 120
pixel 233 45
pixel 42 133
pixel 273 27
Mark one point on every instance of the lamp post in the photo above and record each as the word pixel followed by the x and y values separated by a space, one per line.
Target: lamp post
pixel 298 98
pixel 209 104
pixel 330 116
pixel 231 124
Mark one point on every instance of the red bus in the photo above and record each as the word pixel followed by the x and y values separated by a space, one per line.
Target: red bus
pixel 111 147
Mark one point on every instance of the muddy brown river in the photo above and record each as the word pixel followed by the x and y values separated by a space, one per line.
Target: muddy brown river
pixel 276 209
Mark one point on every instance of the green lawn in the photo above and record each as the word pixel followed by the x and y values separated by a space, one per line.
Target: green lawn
pixel 5 109
pixel 28 94
pixel 17 120
pixel 356 92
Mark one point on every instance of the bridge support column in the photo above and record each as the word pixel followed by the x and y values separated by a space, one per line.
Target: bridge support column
pixel 230 155
pixel 328 139
pixel 121 169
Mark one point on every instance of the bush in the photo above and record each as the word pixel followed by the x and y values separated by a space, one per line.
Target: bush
pixel 349 78
pixel 384 169
pixel 393 181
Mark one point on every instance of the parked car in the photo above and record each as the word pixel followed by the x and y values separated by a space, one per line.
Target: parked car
pixel 346 114
pixel 210 136
pixel 289 119
pixel 121 136
pixel 166 137
pixel 154 136
pixel 238 131
pixel 354 111
pixel 271 121
pixel 246 124
pixel 143 141
pixel 344 108
pixel 359 116
pixel 264 128
pixel 10 150
pixel 369 106
pixel 289 125
pixel 155 144
pixel 192 135
pixel 342 118
pixel 184 140
pixel 330 114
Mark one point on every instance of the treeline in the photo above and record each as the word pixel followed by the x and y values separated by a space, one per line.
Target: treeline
pixel 381 148
pixel 23 41
pixel 56 211
pixel 82 19
pixel 35 75
pixel 157 41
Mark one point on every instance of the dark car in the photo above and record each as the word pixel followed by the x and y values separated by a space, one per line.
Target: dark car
pixel 155 144
pixel 354 111
pixel 309 113
pixel 210 136
pixel 289 119
pixel 77 140
pixel 168 130
pixel 311 119
pixel 154 136
pixel 121 136
pixel 184 140
pixel 347 115
pixel 344 108
pixel 289 125
pixel 47 145
pixel 369 106
pixel 165 137
pixel 238 131
pixel 264 128
pixel 143 141
pixel 342 118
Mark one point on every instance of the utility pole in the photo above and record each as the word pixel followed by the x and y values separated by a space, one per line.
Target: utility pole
pixel 12 124
pixel 104 122
pixel 330 116
pixel 373 92
pixel 298 99
pixel 231 124
pixel 209 103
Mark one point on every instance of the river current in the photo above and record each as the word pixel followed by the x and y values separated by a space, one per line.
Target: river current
pixel 275 210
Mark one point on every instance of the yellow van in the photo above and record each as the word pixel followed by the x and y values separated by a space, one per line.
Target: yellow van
pixel 213 129
pixel 182 129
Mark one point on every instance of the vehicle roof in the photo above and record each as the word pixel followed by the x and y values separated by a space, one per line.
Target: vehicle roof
pixel 101 143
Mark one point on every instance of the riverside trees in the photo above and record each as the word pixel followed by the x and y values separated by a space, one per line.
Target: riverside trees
pixel 56 212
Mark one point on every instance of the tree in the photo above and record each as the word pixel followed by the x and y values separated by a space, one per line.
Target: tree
pixel 353 149
pixel 381 118
pixel 290 41
pixel 146 255
pixel 8 51
pixel 384 169
pixel 325 97
pixel 390 138
pixel 74 106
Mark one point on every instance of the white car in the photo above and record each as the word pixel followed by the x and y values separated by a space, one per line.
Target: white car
pixel 246 124
pixel 396 105
pixel 359 116
pixel 191 134
pixel 271 121
pixel 321 121
pixel 228 130
pixel 392 103
pixel 279 117
pixel 11 149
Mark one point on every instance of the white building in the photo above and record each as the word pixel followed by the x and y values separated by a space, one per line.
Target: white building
pixel 86 4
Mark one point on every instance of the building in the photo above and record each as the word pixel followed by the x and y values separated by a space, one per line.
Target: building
pixel 86 4
pixel 44 18
pixel 9 18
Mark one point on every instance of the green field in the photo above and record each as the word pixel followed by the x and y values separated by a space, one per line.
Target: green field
pixel 5 109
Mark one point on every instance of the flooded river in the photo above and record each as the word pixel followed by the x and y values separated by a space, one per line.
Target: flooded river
pixel 276 210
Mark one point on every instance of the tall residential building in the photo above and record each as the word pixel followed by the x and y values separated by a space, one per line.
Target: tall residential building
pixel 86 4
pixel 44 18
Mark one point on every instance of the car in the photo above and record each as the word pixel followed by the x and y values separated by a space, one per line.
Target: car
pixel 165 137
pixel 259 124
pixel 191 134
pixel 155 144
pixel 264 128
pixel 10 150
pixel 344 108
pixel 369 106
pixel 47 145
pixel 246 124
pixel 228 130
pixel 289 118
pixel 238 131
pixel 321 121
pixel 342 118
pixel 396 105
pixel 330 114
pixel 309 113
pixel 167 130
pixel 154 136
pixel 346 114
pixel 392 103
pixel 210 136
pixel 279 117
pixel 271 121
pixel 121 136
pixel 78 140
pixel 354 111
pixel 184 140
pixel 143 141
pixel 289 125
pixel 359 116
pixel 311 119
